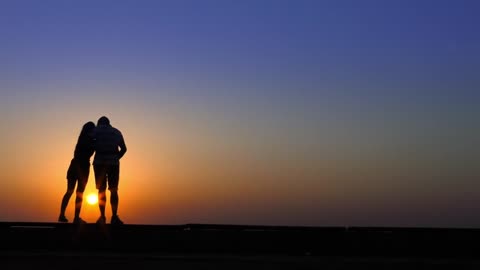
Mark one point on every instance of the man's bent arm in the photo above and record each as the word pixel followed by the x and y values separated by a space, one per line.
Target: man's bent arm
pixel 123 149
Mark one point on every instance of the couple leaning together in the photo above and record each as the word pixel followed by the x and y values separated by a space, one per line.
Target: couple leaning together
pixel 109 147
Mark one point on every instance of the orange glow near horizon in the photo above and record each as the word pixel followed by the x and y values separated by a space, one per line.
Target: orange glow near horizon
pixel 187 166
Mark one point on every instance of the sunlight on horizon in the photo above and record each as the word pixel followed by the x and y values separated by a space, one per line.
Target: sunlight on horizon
pixel 92 199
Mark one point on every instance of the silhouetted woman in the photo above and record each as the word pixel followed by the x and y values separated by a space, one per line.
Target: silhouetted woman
pixel 78 172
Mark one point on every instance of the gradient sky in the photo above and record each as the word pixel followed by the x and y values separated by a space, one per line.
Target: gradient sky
pixel 315 113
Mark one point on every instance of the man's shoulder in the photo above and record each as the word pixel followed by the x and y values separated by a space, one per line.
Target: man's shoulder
pixel 116 130
pixel 117 133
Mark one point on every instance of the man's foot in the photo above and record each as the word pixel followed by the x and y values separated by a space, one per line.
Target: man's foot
pixel 116 220
pixel 79 220
pixel 62 218
pixel 101 220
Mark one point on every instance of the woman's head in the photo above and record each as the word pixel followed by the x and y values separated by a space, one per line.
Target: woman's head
pixel 88 128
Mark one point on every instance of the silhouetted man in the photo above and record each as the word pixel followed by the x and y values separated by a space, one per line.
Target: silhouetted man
pixel 109 149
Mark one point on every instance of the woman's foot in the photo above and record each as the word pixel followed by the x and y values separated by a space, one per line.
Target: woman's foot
pixel 79 220
pixel 62 218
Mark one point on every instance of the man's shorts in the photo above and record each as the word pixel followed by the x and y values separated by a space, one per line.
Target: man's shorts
pixel 106 174
pixel 78 171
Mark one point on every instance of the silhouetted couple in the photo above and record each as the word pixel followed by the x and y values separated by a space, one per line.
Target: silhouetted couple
pixel 109 147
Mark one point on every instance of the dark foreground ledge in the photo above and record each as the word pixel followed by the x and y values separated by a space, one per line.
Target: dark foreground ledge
pixel 204 238
pixel 169 245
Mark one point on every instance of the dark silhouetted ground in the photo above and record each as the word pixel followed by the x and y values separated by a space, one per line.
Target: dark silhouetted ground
pixel 54 246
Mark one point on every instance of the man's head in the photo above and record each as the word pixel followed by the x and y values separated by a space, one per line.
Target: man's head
pixel 103 121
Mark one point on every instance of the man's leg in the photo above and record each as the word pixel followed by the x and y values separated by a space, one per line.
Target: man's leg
pixel 101 183
pixel 102 200
pixel 113 177
pixel 114 201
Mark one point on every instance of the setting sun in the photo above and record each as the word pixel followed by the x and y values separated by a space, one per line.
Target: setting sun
pixel 92 199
